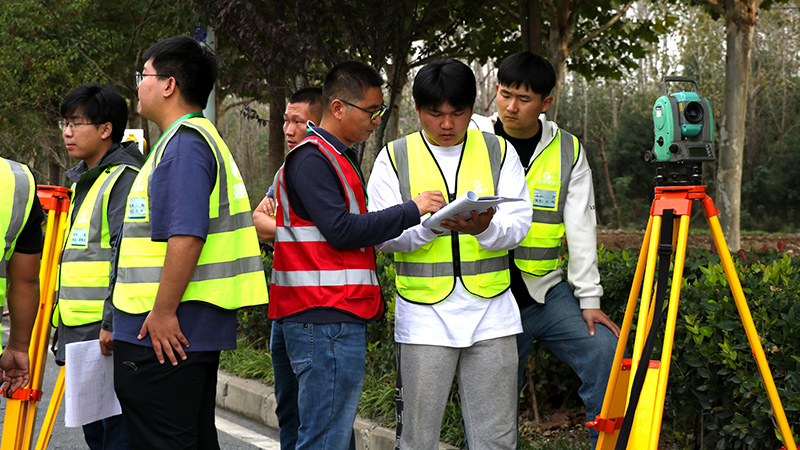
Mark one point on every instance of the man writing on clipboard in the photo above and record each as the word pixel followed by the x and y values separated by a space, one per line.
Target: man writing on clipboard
pixel 454 312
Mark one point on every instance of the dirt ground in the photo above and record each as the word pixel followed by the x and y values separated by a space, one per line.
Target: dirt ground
pixel 788 243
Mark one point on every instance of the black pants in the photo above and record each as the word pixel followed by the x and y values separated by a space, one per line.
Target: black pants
pixel 166 407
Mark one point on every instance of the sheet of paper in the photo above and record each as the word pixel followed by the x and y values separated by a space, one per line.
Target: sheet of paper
pixel 88 385
pixel 462 207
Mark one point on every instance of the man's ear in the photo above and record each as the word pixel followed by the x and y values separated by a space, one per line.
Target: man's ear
pixel 547 103
pixel 170 87
pixel 107 129
pixel 338 108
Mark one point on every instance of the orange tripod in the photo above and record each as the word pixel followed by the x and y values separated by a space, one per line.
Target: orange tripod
pixel 634 401
pixel 21 407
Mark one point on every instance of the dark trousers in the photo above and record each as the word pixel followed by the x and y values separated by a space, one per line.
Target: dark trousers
pixel 166 407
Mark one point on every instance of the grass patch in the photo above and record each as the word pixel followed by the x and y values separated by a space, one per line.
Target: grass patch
pixel 248 362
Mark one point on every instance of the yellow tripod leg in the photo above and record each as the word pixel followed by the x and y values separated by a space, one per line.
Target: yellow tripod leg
pixel 52 412
pixel 750 330
pixel 615 397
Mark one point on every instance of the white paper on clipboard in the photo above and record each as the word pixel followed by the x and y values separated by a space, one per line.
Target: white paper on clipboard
pixel 462 207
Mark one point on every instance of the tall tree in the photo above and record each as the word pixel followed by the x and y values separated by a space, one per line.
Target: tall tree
pixel 740 22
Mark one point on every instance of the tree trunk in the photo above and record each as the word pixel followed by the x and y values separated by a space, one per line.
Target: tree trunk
pixel 558 47
pixel 739 25
pixel 530 18
pixel 277 104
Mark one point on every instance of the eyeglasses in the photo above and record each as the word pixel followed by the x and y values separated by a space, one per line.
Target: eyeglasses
pixel 140 77
pixel 372 114
pixel 63 124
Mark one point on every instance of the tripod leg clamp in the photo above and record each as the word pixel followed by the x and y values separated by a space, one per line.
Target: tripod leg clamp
pixel 30 395
pixel 606 425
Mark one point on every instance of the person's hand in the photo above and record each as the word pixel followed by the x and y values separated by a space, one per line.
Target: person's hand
pixel 106 344
pixel 165 332
pixel 268 206
pixel 593 316
pixel 474 226
pixel 14 368
pixel 429 202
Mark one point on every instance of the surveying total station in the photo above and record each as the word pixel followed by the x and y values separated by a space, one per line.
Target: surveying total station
pixel 634 401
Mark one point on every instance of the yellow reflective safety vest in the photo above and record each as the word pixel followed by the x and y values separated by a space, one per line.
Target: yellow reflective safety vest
pixel 229 272
pixel 548 179
pixel 85 273
pixel 17 188
pixel 428 275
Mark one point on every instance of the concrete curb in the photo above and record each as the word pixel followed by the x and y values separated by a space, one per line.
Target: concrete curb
pixel 256 401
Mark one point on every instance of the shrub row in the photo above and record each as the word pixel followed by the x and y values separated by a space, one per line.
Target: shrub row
pixel 715 397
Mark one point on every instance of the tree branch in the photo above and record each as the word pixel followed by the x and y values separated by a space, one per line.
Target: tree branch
pixel 602 29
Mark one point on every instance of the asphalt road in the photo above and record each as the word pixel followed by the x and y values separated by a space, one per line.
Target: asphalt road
pixel 235 432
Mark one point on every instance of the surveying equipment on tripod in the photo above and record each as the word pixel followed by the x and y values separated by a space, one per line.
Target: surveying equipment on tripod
pixel 684 134
pixel 634 402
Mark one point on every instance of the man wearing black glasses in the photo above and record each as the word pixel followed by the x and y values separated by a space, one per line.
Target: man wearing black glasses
pixel 324 288
pixel 93 124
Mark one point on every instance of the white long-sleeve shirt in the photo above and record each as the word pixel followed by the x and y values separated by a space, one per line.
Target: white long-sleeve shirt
pixel 580 225
pixel 461 319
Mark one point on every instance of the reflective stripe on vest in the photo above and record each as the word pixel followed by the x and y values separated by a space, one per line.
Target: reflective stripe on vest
pixel 229 272
pixel 428 274
pixel 16 182
pixel 548 179
pixel 307 271
pixel 86 261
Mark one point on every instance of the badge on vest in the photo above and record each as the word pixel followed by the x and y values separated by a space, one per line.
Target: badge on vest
pixel 544 198
pixel 137 208
pixel 80 237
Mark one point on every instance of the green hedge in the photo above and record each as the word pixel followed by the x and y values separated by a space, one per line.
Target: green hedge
pixel 715 398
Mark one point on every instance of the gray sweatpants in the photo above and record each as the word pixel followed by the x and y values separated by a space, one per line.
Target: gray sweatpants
pixel 487 381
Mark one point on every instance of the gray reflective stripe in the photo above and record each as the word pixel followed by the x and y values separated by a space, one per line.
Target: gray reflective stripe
pixel 400 160
pixel 484 266
pixel 96 221
pixel 298 234
pixel 495 156
pixel 224 204
pixel 351 195
pixel 93 252
pixel 468 268
pixel 319 278
pixel 567 152
pixel 536 253
pixel 216 225
pixel 205 272
pixel 22 189
pixel 96 294
pixel 283 199
pixel 424 270
pixel 548 217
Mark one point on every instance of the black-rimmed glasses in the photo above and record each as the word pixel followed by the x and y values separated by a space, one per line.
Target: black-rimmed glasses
pixel 140 77
pixel 63 124
pixel 372 114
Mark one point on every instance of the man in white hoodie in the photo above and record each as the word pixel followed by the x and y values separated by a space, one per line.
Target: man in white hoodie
pixel 563 315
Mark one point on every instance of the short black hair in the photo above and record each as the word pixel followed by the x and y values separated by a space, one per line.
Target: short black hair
pixel 193 65
pixel 349 81
pixel 527 70
pixel 310 95
pixel 98 104
pixel 445 80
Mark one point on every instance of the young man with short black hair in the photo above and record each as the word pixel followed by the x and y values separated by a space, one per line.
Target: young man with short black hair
pixel 563 315
pixel 454 313
pixel 92 126
pixel 188 258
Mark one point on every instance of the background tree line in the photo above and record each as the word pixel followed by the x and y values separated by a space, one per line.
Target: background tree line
pixel 609 55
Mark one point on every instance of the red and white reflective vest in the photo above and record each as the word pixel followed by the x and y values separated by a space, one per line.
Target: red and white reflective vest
pixel 307 271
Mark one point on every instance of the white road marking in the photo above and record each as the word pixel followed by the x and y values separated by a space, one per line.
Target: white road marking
pixel 246 435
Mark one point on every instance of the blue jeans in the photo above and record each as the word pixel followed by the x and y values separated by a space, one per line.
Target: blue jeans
pixel 285 388
pixel 328 363
pixel 107 434
pixel 559 325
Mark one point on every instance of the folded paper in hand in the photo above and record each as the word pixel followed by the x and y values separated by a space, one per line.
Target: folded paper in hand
pixel 462 207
